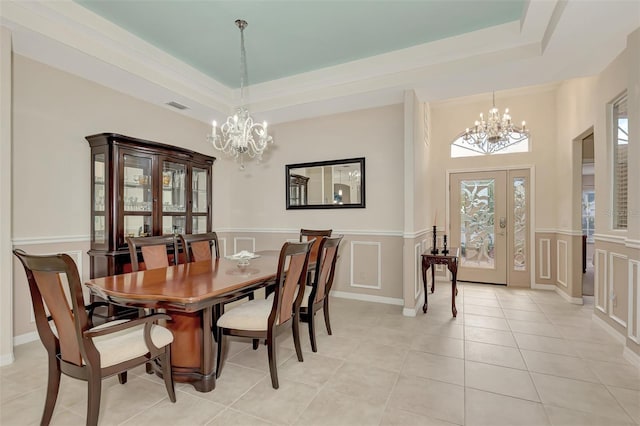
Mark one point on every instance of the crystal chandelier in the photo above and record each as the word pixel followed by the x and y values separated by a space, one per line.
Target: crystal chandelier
pixel 494 134
pixel 239 136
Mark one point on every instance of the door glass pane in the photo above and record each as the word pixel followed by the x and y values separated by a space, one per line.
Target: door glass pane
pixel 477 234
pixel 173 225
pixel 199 225
pixel 137 183
pixel 199 185
pixel 519 224
pixel 137 226
pixel 173 187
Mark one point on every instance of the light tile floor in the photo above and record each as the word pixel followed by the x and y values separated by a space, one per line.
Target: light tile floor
pixel 512 357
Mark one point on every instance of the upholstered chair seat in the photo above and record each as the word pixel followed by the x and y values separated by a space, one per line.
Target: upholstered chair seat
pixel 127 344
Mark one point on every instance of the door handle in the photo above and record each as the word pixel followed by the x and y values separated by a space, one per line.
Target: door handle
pixel 503 225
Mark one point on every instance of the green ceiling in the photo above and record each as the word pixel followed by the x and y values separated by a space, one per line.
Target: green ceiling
pixel 285 38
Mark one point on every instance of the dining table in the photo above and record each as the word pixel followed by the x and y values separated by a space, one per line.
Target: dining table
pixel 188 293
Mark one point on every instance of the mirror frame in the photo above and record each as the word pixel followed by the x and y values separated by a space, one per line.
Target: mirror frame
pixel 287 175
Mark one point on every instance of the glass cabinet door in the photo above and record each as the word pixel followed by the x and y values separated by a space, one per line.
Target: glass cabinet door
pixel 137 198
pixel 199 191
pixel 174 196
pixel 199 205
pixel 99 198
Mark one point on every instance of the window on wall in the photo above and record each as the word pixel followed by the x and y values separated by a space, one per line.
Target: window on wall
pixel 620 138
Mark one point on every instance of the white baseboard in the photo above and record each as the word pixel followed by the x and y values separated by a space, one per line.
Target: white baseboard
pixel 412 312
pixel 573 300
pixel 627 353
pixel 609 329
pixel 631 356
pixel 6 359
pixel 25 338
pixel 543 286
pixel 368 298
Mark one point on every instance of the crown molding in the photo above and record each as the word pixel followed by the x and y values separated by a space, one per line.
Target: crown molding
pixel 69 37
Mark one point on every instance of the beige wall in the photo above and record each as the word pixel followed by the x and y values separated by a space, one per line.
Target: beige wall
pixel 582 103
pixel 536 106
pixel 53 111
pixel 371 254
pixel 6 270
pixel 375 134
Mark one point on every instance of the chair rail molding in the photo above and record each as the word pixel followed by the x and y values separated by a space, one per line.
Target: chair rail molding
pixel 609 238
pixel 54 239
pixel 376 232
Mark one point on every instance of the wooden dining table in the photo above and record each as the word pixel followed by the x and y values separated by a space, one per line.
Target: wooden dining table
pixel 188 293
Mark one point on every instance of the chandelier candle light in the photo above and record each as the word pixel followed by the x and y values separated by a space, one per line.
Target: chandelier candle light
pixel 240 135
pixel 496 133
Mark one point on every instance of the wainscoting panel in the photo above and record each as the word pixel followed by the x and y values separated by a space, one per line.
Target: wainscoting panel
pixel 544 258
pixel 366 264
pixel 618 288
pixel 244 243
pixel 563 263
pixel 223 246
pixel 600 281
pixel 634 301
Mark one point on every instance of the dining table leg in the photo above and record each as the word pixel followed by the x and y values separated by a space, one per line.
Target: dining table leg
pixel 192 352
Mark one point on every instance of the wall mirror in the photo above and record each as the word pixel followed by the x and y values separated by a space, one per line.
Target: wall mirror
pixel 336 184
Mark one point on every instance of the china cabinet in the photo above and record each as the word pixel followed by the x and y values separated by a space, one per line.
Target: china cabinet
pixel 143 188
pixel 298 190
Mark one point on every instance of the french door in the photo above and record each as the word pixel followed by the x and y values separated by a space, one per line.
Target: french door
pixel 489 217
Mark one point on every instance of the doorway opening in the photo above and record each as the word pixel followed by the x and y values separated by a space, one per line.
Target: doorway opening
pixel 588 213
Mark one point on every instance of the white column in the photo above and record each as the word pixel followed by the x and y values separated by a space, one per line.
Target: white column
pixel 6 257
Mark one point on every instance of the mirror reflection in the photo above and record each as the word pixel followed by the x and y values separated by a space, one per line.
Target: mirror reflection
pixel 326 184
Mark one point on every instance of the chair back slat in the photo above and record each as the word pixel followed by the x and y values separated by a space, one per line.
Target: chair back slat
pixel 47 287
pixel 314 235
pixel 288 279
pixel 154 251
pixel 200 250
pixel 198 247
pixel 55 300
pixel 296 267
pixel 155 257
pixel 327 268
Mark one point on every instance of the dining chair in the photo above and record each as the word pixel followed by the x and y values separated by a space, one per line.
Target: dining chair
pixel 266 318
pixel 198 247
pixel 154 251
pixel 77 348
pixel 316 296
pixel 314 235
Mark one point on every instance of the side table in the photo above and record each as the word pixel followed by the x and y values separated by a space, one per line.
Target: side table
pixel 451 260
